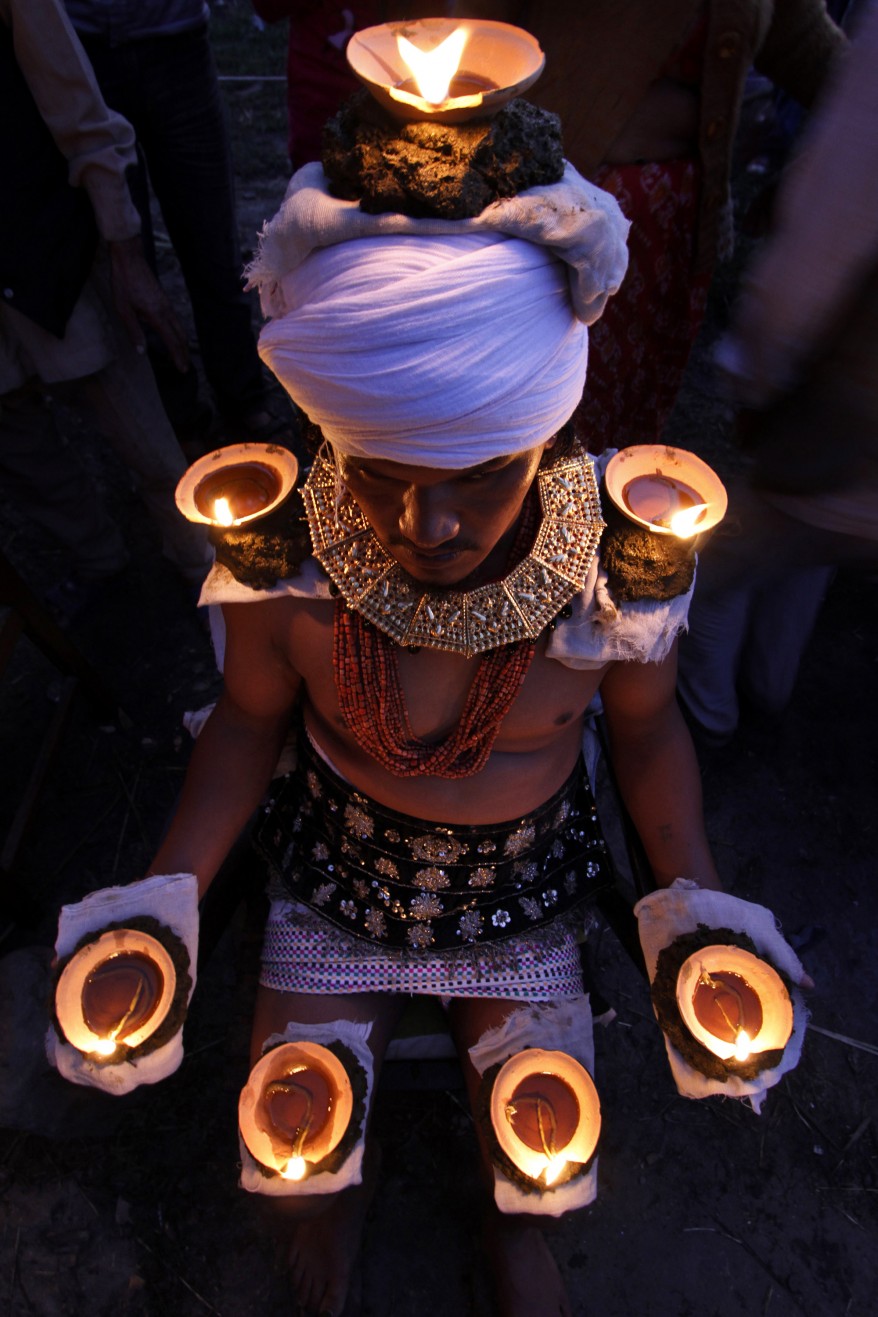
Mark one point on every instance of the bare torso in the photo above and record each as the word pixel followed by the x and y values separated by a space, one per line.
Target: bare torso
pixel 533 754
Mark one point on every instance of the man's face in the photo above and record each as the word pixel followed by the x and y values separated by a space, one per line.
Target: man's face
pixel 443 526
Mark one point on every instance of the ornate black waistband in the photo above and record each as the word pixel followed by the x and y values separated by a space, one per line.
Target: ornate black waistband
pixel 404 882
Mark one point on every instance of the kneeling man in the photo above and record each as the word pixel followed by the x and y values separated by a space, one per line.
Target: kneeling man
pixel 434 662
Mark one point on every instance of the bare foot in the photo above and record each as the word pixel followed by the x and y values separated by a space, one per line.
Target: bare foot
pixel 324 1248
pixel 527 1281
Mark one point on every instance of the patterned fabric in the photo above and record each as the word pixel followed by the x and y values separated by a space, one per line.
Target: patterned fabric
pixel 303 953
pixel 411 884
pixel 638 350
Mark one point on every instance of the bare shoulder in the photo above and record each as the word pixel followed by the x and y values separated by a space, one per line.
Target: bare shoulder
pixel 260 673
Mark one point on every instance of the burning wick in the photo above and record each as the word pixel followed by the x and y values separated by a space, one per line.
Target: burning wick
pixel 434 69
pixel 222 512
pixel 107 1046
pixel 298 1106
pixel 118 997
pixel 742 1046
pixel 665 502
pixel 294 1169
pixel 542 1124
pixel 727 1007
pixel 554 1169
pixel 238 490
pixel 684 524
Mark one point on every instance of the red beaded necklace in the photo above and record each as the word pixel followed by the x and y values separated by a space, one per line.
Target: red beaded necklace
pixel 370 695
pixel 373 706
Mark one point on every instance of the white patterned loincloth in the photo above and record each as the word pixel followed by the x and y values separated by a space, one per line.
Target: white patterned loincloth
pixel 303 953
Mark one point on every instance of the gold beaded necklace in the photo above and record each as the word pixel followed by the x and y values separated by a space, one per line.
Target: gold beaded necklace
pixel 469 622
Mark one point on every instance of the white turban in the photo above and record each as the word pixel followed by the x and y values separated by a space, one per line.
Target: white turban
pixel 438 343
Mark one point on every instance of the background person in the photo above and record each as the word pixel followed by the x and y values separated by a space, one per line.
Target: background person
pixel 649 93
pixel 801 359
pixel 76 295
pixel 155 66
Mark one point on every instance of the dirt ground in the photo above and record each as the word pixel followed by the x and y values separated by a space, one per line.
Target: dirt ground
pixel 131 1205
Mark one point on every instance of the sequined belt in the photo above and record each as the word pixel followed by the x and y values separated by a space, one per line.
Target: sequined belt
pixel 404 882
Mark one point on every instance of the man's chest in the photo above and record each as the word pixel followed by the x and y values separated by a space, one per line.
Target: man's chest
pixel 435 687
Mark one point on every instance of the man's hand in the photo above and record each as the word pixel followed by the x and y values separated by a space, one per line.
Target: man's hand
pixel 140 300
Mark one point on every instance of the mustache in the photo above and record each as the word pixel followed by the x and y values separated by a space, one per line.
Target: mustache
pixel 452 546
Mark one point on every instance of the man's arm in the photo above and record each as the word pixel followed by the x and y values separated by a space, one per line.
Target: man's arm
pixel 655 765
pixel 237 751
pixel 99 147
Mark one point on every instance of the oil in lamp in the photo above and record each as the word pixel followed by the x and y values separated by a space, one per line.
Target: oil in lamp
pixel 442 70
pixel 545 1113
pixel 236 485
pixel 734 1003
pixel 666 490
pixel 295 1108
pixel 116 991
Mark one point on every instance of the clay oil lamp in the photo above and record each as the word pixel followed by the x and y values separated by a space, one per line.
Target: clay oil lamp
pixel 733 1003
pixel 666 490
pixel 295 1108
pixel 236 485
pixel 114 993
pixel 444 71
pixel 545 1113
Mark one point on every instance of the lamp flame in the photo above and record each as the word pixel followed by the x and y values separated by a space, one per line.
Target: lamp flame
pixel 433 69
pixel 105 1046
pixel 684 524
pixel 222 511
pixel 743 1046
pixel 554 1167
pixel 294 1169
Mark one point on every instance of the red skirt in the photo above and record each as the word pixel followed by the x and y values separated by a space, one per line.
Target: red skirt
pixel 639 348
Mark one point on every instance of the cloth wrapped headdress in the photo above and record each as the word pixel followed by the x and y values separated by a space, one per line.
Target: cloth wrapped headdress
pixel 442 343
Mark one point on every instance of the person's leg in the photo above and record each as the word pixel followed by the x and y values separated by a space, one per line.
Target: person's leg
pixel 326 1228
pixel 709 659
pixel 782 620
pixel 184 136
pixel 759 587
pixel 118 71
pixel 526 1276
pixel 748 558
